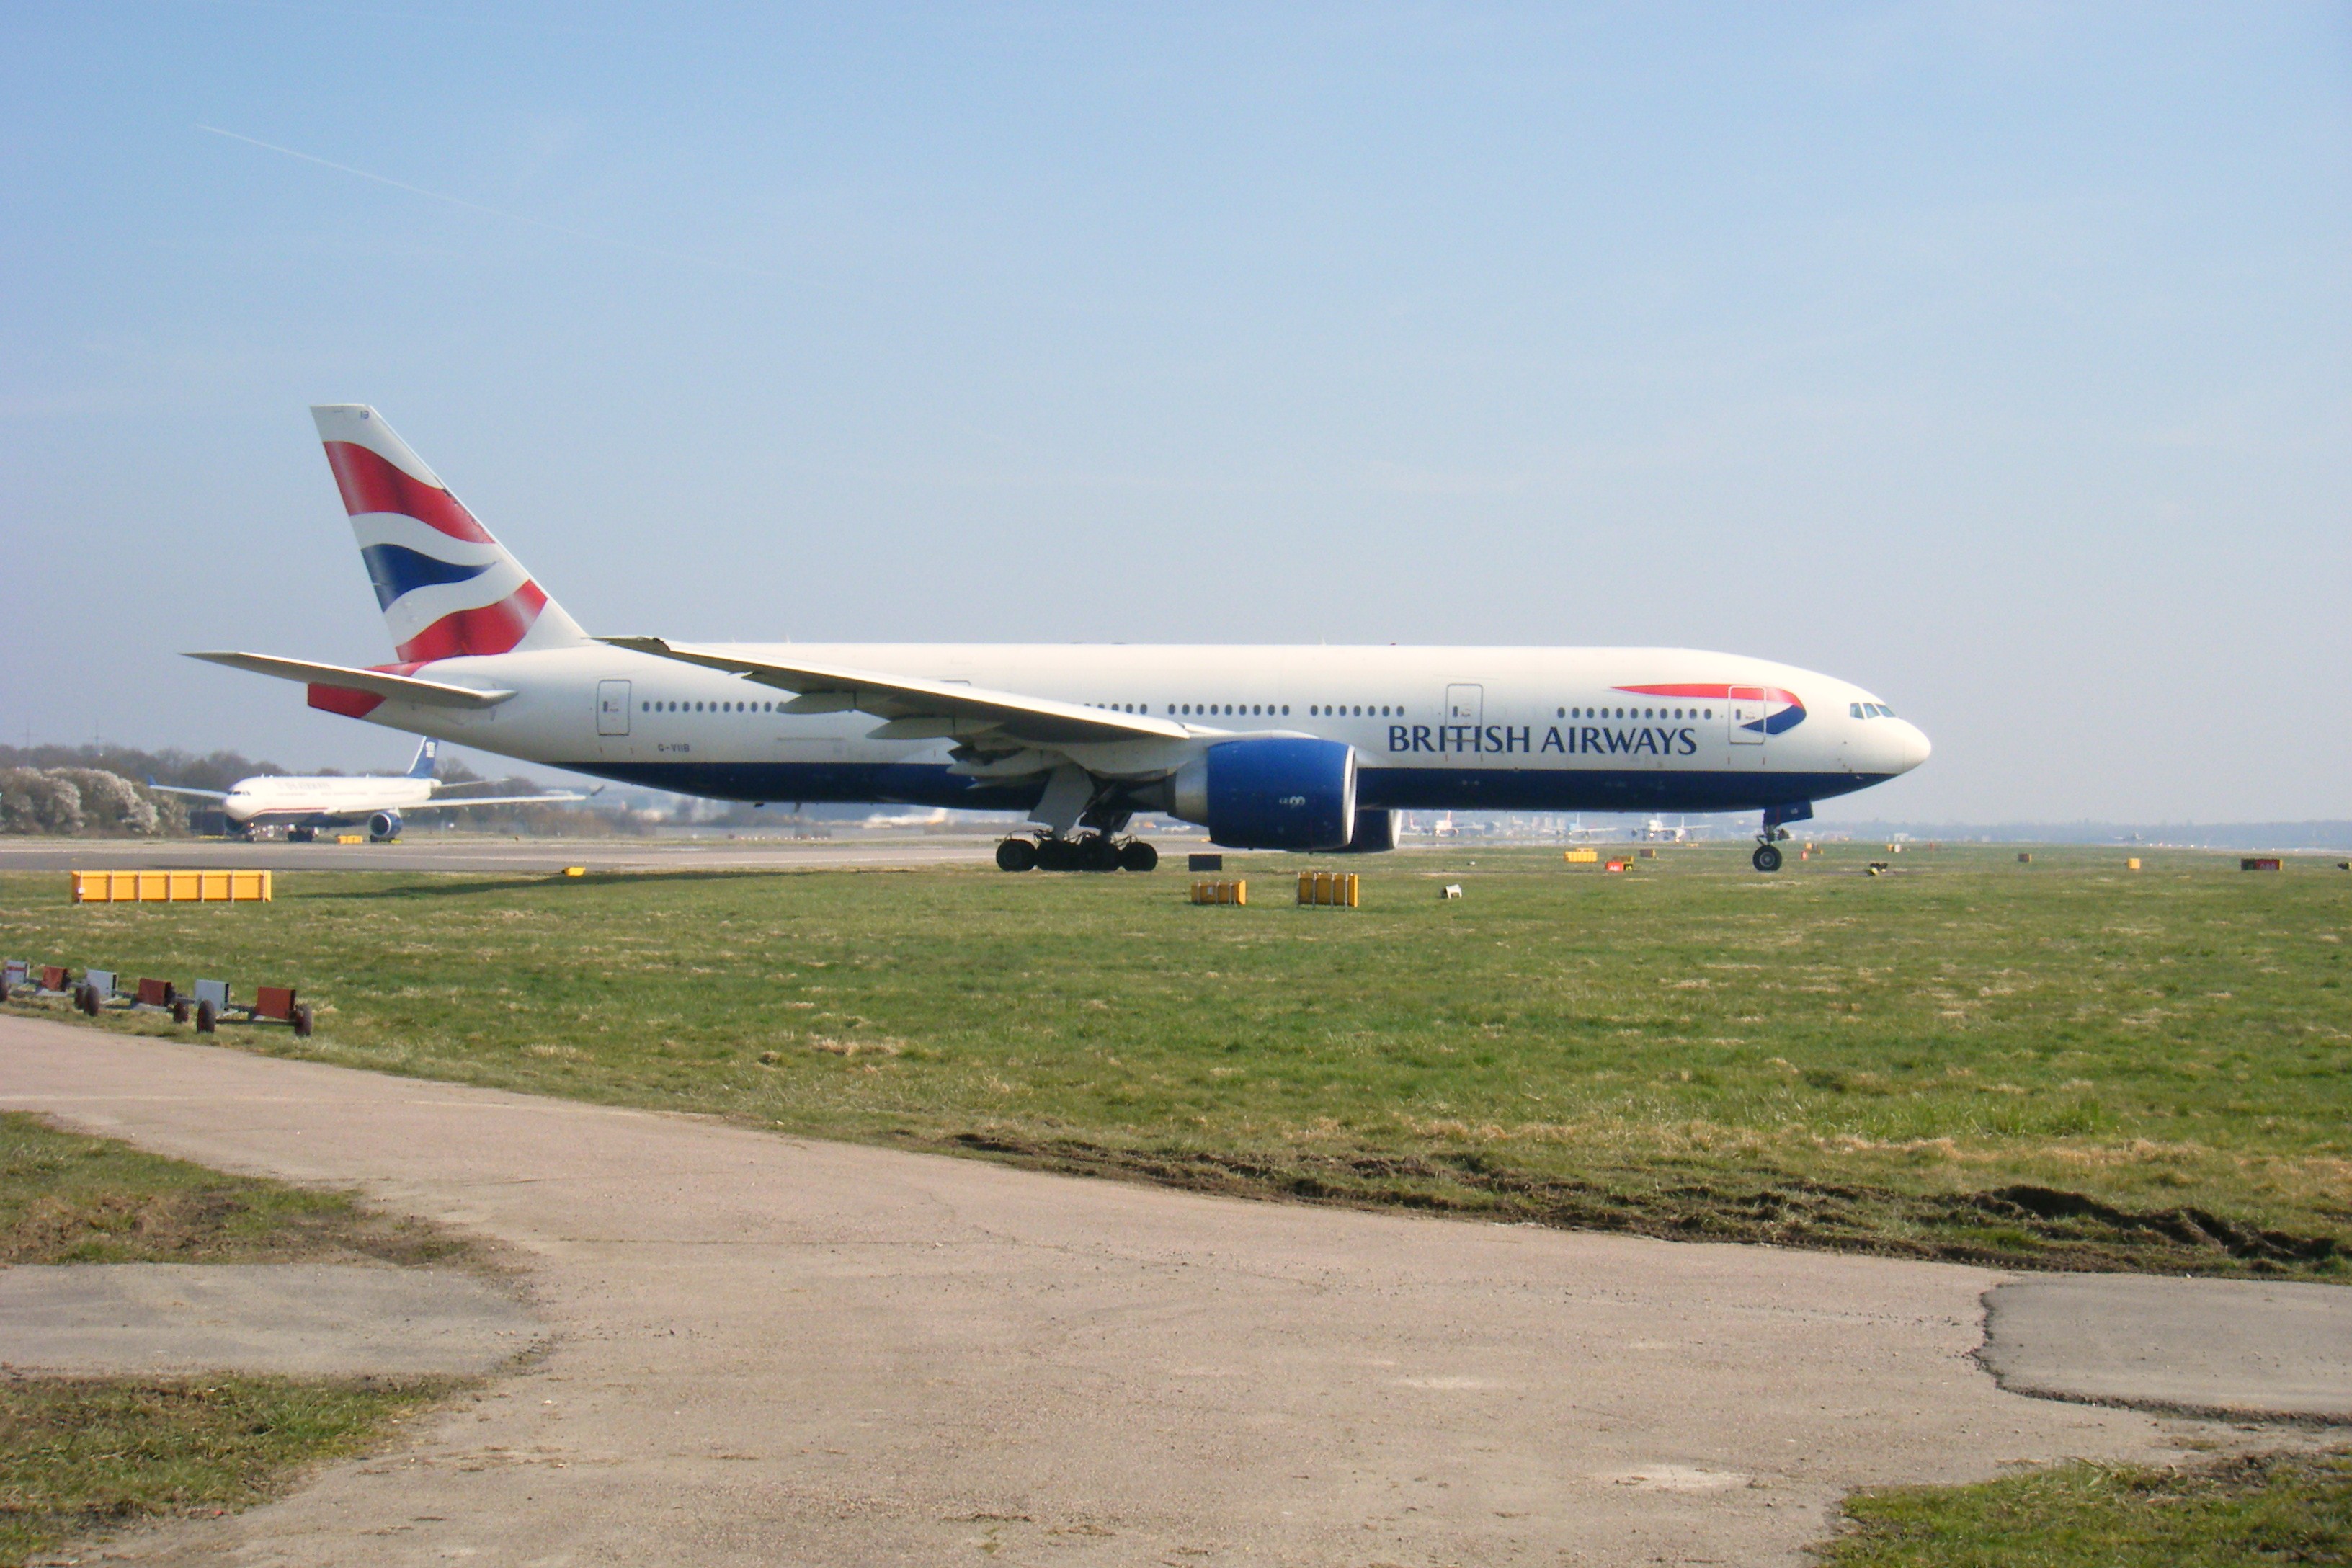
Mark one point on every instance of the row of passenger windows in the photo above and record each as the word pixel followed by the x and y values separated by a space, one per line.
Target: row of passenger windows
pixel 1270 710
pixel 1258 710
pixel 707 707
pixel 1870 709
pixel 1636 713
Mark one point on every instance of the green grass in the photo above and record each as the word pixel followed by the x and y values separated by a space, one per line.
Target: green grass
pixel 2066 1064
pixel 68 1198
pixel 79 1456
pixel 2262 1511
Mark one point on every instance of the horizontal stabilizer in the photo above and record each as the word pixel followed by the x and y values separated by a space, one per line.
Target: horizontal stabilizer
pixel 374 682
pixel 184 789
pixel 972 710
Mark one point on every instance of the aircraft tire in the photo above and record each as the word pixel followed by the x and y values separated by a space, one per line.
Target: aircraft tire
pixel 1766 859
pixel 1135 855
pixel 206 1018
pixel 1056 855
pixel 1017 855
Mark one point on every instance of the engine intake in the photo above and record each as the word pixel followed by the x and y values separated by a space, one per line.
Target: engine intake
pixel 384 827
pixel 1273 794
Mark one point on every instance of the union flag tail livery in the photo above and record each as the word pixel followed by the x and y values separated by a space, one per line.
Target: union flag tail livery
pixel 447 589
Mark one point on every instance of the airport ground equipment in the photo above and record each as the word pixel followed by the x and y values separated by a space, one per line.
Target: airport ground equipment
pixel 170 886
pixel 1328 889
pixel 13 975
pixel 1220 892
pixel 2260 863
pixel 1581 857
pixel 1204 862
pixel 1451 891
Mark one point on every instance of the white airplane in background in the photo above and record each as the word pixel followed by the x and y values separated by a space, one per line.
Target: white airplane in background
pixel 304 802
pixel 1272 748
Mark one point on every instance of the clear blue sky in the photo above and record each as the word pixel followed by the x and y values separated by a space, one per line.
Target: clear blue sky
pixel 1995 356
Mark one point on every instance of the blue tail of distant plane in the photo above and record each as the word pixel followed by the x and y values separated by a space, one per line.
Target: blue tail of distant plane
pixel 426 755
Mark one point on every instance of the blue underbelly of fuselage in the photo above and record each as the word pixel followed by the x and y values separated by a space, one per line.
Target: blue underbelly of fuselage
pixel 1377 788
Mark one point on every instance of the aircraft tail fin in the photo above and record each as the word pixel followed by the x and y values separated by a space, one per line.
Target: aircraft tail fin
pixel 446 587
pixel 426 755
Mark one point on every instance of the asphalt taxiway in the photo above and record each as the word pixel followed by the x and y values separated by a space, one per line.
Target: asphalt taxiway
pixel 769 1350
pixel 480 855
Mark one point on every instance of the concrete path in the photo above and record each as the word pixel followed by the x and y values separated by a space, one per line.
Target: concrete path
pixel 770 1352
pixel 2222 1347
pixel 300 1320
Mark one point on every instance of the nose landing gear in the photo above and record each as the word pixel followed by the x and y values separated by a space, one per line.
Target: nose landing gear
pixel 1092 852
pixel 1767 857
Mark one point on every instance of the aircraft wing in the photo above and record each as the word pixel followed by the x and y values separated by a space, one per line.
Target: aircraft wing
pixel 380 682
pixel 913 709
pixel 497 800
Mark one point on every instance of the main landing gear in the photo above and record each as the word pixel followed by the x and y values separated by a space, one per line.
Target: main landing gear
pixel 1092 852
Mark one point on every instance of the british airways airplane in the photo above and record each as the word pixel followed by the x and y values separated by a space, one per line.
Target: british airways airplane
pixel 1314 749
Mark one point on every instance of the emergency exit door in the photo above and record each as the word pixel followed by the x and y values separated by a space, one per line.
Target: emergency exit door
pixel 1746 710
pixel 612 708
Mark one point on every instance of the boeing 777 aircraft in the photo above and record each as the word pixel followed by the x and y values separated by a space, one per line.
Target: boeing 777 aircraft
pixel 304 802
pixel 1267 747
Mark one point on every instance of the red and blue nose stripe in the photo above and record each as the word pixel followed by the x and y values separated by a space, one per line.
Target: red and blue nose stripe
pixel 1783 710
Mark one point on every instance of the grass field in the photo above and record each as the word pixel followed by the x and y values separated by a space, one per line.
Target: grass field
pixel 79 1455
pixel 2065 1064
pixel 2237 1513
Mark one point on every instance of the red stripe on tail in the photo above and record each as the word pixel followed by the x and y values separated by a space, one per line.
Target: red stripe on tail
pixel 343 700
pixel 369 483
pixel 493 629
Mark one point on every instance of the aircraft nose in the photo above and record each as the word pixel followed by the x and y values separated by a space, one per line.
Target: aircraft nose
pixel 1911 745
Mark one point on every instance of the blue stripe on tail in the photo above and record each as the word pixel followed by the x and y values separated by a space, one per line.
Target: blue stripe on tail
pixel 395 569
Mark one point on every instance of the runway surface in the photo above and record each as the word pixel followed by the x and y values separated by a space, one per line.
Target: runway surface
pixel 768 1351
pixel 496 856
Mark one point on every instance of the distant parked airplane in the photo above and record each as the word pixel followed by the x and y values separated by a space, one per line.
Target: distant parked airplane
pixel 303 803
pixel 1319 749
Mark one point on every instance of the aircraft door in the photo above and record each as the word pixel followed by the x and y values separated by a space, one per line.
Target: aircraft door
pixel 1746 710
pixel 612 708
pixel 1465 704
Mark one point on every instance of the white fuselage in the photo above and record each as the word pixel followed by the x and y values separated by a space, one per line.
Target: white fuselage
pixel 1434 728
pixel 321 801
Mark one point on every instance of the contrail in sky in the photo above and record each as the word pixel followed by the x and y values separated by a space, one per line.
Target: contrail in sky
pixel 493 212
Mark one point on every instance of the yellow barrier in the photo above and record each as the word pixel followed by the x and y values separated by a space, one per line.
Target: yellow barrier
pixel 2132 865
pixel 1220 892
pixel 1333 889
pixel 1582 856
pixel 351 837
pixel 170 886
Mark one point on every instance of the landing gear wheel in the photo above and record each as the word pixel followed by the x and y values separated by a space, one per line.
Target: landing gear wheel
pixel 1767 857
pixel 1017 855
pixel 301 835
pixel 1056 855
pixel 1135 855
pixel 1097 853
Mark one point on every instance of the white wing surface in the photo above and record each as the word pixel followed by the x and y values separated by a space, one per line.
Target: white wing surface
pixel 913 709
